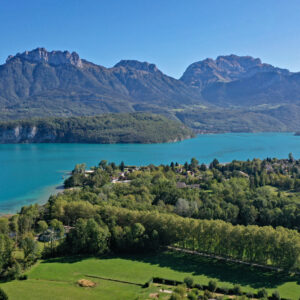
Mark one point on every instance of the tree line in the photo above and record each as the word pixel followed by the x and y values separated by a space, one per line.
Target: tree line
pixel 278 247
pixel 119 229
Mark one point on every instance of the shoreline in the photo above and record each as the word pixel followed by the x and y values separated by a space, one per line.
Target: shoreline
pixel 8 216
pixel 165 141
pixel 224 147
pixel 196 132
pixel 42 199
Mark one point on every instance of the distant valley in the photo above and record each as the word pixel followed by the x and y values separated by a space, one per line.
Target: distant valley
pixel 229 94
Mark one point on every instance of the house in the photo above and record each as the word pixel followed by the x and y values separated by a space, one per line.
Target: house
pixel 190 173
pixel 194 186
pixel 68 228
pixel 244 174
pixel 89 171
pixel 53 235
pixel 181 185
pixel 117 180
pixel 47 235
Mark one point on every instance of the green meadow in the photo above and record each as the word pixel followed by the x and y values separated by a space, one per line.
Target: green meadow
pixel 57 278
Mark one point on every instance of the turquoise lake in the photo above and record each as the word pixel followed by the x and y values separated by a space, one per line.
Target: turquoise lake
pixel 31 172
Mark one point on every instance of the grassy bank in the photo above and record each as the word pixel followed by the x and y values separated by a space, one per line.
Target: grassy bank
pixel 50 277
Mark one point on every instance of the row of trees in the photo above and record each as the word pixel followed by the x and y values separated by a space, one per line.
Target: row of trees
pixel 124 230
pixel 278 247
pixel 119 229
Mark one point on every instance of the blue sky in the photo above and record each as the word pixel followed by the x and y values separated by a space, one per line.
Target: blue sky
pixel 172 34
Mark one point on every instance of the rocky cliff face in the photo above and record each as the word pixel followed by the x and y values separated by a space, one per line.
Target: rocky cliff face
pixel 103 129
pixel 26 134
pixel 137 65
pixel 59 83
pixel 53 58
pixel 225 69
pixel 32 134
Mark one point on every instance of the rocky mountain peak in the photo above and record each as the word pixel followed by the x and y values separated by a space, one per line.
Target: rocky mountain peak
pixel 137 65
pixel 225 69
pixel 54 57
pixel 246 61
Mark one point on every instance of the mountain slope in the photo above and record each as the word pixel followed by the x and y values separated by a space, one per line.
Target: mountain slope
pixel 38 83
pixel 225 69
pixel 262 88
pixel 230 93
pixel 242 81
pixel 146 84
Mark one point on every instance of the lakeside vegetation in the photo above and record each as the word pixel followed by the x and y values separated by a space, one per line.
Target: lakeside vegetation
pixel 104 129
pixel 257 192
pixel 243 212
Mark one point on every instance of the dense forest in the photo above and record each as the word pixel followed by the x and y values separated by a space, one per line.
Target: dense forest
pixel 243 210
pixel 106 129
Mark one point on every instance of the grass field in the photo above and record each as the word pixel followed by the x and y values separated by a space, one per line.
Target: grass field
pixel 56 278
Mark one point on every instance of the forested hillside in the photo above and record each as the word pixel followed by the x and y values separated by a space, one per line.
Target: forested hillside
pixel 105 129
pixel 279 118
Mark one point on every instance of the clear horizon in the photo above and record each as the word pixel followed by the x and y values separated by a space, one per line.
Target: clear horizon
pixel 168 34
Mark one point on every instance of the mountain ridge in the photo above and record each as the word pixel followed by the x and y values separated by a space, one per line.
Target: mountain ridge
pixel 39 83
pixel 54 57
pixel 37 76
pixel 225 68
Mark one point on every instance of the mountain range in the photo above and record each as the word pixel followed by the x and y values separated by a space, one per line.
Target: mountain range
pixel 230 93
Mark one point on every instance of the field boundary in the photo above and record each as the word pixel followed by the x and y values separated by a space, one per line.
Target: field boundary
pixel 51 280
pixel 115 280
pixel 194 252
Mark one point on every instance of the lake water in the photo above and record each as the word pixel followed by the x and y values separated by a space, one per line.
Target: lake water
pixel 29 173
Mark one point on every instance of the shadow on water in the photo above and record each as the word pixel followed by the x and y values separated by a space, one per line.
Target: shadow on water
pixel 197 266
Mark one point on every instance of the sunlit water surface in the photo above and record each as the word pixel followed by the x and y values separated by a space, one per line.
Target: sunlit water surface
pixel 29 173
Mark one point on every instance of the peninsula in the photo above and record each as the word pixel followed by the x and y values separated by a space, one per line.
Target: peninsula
pixel 104 129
